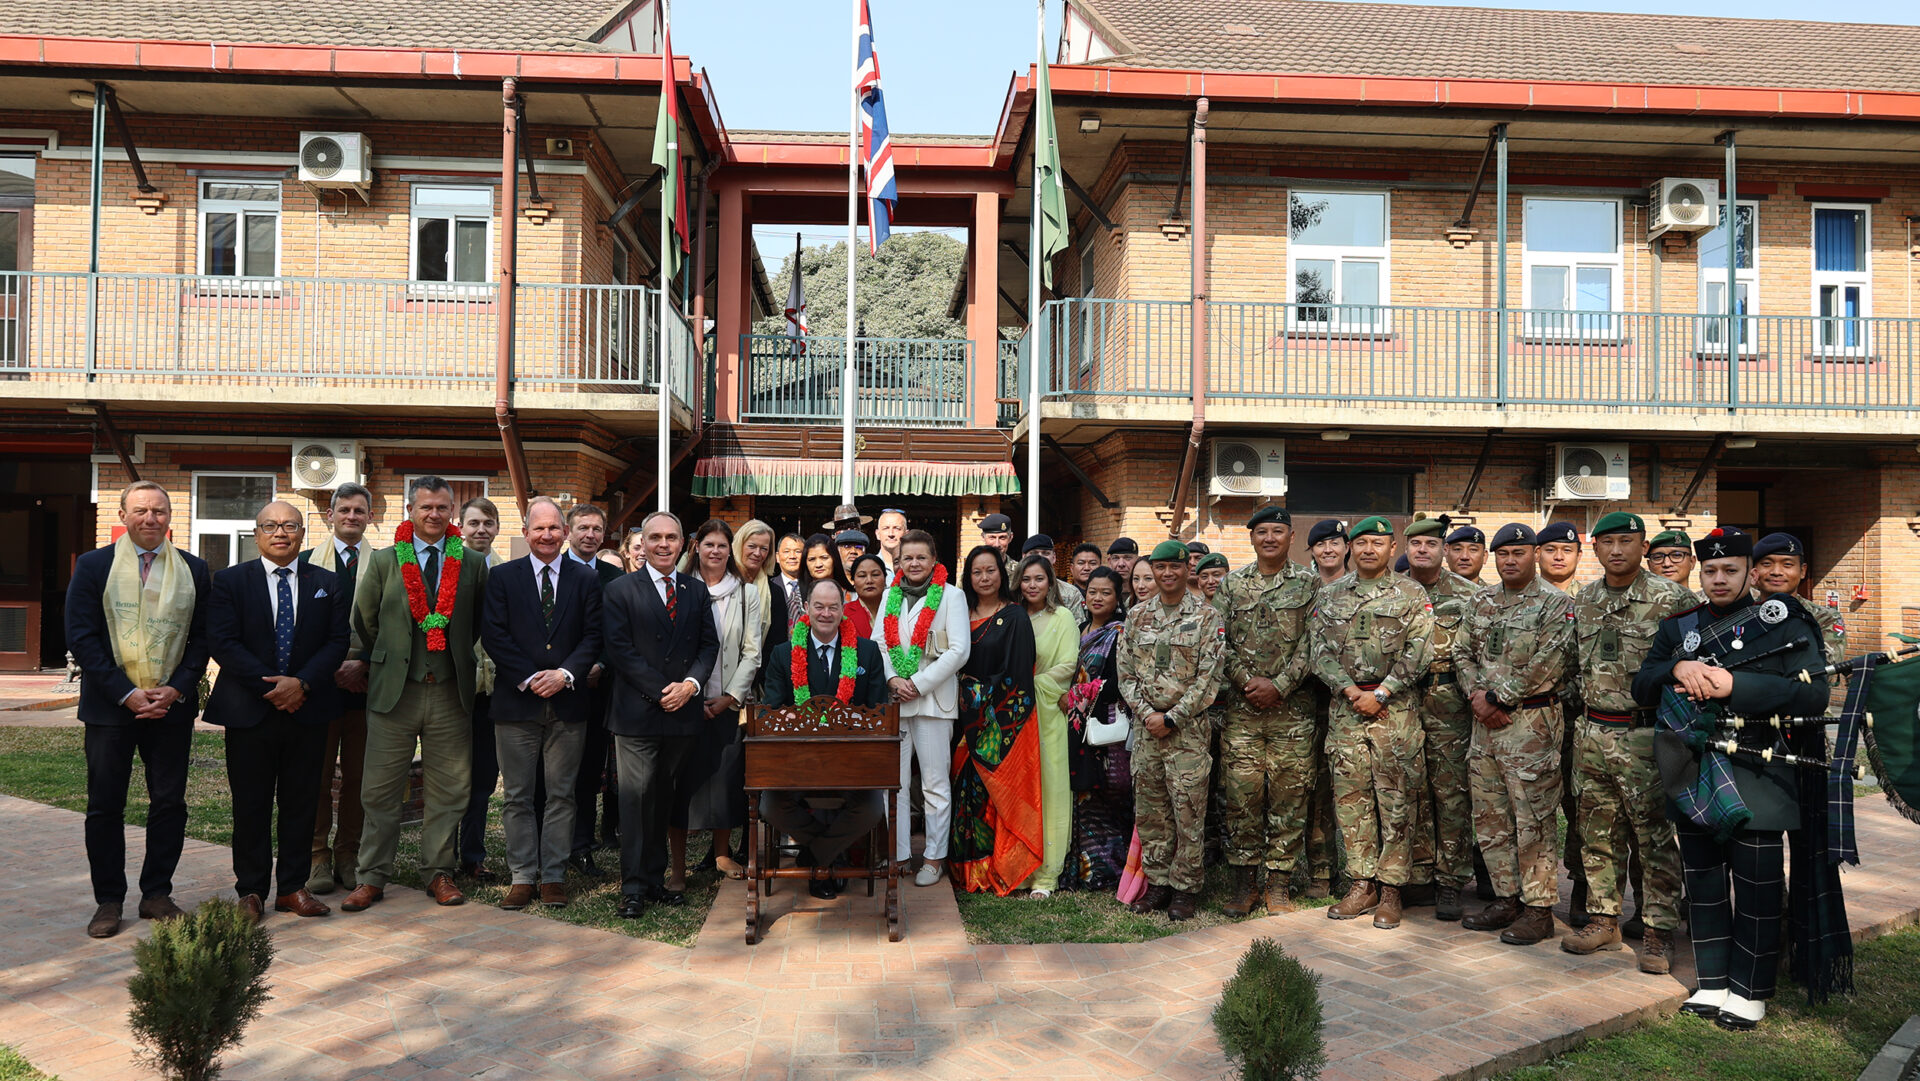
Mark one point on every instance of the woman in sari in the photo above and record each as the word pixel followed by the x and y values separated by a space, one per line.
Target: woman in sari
pixel 997 827
pixel 1101 776
pixel 1056 635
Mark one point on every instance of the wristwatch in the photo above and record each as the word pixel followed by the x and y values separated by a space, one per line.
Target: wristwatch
pixel 305 687
pixel 1381 694
pixel 1494 701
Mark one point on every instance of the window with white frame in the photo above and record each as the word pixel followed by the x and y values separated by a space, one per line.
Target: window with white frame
pixel 1842 293
pixel 1088 288
pixel 452 232
pixel 1713 280
pixel 239 229
pixel 1337 258
pixel 1570 266
pixel 224 505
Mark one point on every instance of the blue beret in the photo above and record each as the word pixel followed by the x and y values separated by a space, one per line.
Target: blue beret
pixel 1779 544
pixel 1324 528
pixel 1557 533
pixel 1467 534
pixel 1400 565
pixel 1513 533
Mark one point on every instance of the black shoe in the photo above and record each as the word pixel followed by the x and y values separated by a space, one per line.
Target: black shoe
pixel 631 907
pixel 822 888
pixel 670 898
pixel 582 862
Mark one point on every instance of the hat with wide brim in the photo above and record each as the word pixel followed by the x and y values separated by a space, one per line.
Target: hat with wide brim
pixel 844 515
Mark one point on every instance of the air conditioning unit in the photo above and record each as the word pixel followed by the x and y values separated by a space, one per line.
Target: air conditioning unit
pixel 1682 204
pixel 1590 471
pixel 1255 467
pixel 336 159
pixel 323 465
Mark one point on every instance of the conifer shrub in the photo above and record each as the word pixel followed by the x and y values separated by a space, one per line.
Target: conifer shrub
pixel 1268 1019
pixel 199 980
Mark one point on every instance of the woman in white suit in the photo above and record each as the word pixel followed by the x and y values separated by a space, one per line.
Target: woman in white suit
pixel 923 658
pixel 714 785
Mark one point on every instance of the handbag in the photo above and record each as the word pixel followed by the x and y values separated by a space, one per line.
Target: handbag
pixel 1100 733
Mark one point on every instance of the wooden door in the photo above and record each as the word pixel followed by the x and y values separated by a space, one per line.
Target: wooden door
pixel 23 529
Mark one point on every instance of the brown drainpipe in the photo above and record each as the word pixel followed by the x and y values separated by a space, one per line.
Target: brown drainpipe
pixel 1198 234
pixel 503 304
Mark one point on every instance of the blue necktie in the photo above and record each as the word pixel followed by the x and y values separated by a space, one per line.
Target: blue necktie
pixel 283 619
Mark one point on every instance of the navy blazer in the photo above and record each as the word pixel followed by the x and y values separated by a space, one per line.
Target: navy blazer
pixel 521 641
pixel 102 682
pixel 349 700
pixel 646 651
pixel 869 678
pixel 240 634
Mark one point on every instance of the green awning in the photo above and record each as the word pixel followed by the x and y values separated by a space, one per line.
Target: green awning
pixel 718 478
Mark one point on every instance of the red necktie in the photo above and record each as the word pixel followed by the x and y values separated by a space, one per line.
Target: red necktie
pixel 146 564
pixel 667 584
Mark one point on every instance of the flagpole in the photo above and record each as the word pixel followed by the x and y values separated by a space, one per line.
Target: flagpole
pixel 1034 320
pixel 663 463
pixel 848 383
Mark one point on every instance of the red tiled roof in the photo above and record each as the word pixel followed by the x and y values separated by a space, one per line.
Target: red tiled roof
pixel 513 25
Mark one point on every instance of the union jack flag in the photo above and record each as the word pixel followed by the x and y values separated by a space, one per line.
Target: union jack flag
pixel 877 148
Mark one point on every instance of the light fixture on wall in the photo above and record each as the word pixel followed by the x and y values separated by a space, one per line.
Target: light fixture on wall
pixel 1089 123
pixel 1741 442
pixel 1336 435
pixel 81 99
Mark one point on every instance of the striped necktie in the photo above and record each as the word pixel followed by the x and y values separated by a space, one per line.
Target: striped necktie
pixel 546 593
pixel 667 588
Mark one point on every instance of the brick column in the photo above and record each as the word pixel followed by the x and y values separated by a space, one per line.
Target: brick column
pixel 983 309
pixel 730 320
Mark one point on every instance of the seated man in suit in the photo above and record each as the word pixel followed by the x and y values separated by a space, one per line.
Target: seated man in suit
pixel 825 837
pixel 277 626
pixel 661 646
pixel 542 629
pixel 137 626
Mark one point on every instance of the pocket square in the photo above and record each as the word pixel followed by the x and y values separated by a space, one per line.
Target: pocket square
pixel 319 593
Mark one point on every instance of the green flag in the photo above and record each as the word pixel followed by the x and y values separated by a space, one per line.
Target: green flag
pixel 666 155
pixel 1050 196
pixel 1893 743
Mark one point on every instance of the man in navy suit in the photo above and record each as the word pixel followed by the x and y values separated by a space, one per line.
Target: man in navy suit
pixel 586 534
pixel 825 837
pixel 277 626
pixel 661 646
pixel 542 628
pixel 139 700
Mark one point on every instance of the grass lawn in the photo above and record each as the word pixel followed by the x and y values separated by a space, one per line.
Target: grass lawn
pixel 1795 1043
pixel 15 1068
pixel 46 765
pixel 1078 916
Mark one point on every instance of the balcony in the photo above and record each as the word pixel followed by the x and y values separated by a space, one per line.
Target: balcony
pixel 191 339
pixel 903 382
pixel 1482 366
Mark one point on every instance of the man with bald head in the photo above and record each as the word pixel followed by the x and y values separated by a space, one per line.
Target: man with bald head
pixel 277 626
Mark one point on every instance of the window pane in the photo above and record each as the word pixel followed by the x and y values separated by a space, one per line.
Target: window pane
pixel 245 193
pixel 1340 219
pixel 221 230
pixel 1713 243
pixel 9 241
pixel 1360 284
pixel 216 549
pixel 16 176
pixel 427 195
pixel 1333 491
pixel 430 238
pixel 1550 287
pixel 1579 225
pixel 1593 289
pixel 232 498
pixel 1838 239
pixel 1313 281
pixel 470 251
pixel 263 242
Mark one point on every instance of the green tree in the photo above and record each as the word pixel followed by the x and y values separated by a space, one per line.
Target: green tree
pixel 198 981
pixel 900 293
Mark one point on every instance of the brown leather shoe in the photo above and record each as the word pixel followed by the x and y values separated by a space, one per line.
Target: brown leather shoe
pixel 478 872
pixel 1656 952
pixel 362 898
pixel 1362 897
pixel 444 893
pixel 300 903
pixel 159 907
pixel 1386 915
pixel 1497 916
pixel 1182 906
pixel 1447 904
pixel 1156 899
pixel 1600 933
pixel 553 894
pixel 1534 925
pixel 105 922
pixel 519 896
pixel 253 906
pixel 1244 895
pixel 1279 893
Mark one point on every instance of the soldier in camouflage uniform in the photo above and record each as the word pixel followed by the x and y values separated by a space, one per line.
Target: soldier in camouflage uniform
pixel 1171 658
pixel 1615 620
pixel 1779 566
pixel 1670 555
pixel 1467 552
pixel 1443 805
pixel 1520 635
pixel 1558 556
pixel 1327 552
pixel 1267 763
pixel 1371 634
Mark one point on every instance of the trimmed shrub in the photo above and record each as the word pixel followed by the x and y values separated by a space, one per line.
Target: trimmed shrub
pixel 198 982
pixel 1269 1018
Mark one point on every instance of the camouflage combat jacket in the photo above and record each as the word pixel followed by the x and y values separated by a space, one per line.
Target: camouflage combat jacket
pixel 1377 630
pixel 1266 620
pixel 1520 643
pixel 1453 599
pixel 1171 661
pixel 1613 631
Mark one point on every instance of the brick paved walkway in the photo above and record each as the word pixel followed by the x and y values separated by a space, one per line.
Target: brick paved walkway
pixel 411 990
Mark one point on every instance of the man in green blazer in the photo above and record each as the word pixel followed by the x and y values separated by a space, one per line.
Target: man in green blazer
pixel 419 676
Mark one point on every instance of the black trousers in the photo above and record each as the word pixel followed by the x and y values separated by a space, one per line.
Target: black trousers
pixel 163 747
pixel 652 770
pixel 827 834
pixel 275 761
pixel 1736 931
pixel 587 784
pixel 472 840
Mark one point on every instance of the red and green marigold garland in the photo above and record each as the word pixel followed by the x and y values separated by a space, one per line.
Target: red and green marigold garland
pixel 849 661
pixel 906 656
pixel 433 623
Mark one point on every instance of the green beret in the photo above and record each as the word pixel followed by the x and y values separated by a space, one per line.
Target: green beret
pixel 1212 559
pixel 1619 522
pixel 1672 538
pixel 1269 513
pixel 1375 525
pixel 1421 527
pixel 1168 551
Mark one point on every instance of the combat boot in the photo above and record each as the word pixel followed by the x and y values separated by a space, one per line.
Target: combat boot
pixel 1386 915
pixel 1656 952
pixel 1245 893
pixel 1577 915
pixel 1183 906
pixel 1279 893
pixel 1446 903
pixel 1362 897
pixel 1600 933
pixel 1417 896
pixel 1534 925
pixel 1497 916
pixel 1320 887
pixel 1155 899
pixel 1633 928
